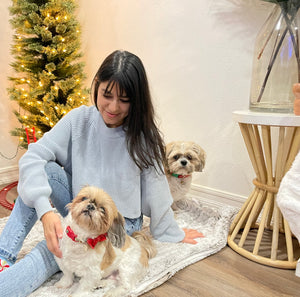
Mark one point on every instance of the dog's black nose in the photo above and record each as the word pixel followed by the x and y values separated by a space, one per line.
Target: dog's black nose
pixel 183 162
pixel 90 207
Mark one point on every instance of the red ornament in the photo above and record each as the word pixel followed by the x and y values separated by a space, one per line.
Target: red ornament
pixel 30 134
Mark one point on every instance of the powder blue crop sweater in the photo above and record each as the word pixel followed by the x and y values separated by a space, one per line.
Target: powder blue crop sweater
pixel 97 155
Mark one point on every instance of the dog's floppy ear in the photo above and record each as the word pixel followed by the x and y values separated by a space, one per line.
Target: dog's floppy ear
pixel 116 233
pixel 201 156
pixel 168 149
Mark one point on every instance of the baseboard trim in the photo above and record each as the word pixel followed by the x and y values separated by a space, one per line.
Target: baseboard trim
pixel 9 174
pixel 216 198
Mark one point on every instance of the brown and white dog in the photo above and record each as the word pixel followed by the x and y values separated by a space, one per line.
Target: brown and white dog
pixel 183 158
pixel 95 246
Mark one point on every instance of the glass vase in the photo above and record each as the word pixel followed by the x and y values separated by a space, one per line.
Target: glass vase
pixel 276 63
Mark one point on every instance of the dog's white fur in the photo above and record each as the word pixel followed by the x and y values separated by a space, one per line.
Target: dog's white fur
pixel 183 158
pixel 118 262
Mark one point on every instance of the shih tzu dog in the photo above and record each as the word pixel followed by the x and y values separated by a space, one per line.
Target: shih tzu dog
pixel 183 158
pixel 96 248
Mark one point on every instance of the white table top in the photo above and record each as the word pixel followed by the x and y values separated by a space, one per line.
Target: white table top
pixel 264 118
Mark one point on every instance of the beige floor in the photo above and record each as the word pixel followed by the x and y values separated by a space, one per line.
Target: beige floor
pixel 225 274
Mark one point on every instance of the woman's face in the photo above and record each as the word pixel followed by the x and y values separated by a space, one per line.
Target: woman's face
pixel 113 107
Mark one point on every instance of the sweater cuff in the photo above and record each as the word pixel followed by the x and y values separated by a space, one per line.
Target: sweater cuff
pixel 167 229
pixel 42 205
pixel 172 235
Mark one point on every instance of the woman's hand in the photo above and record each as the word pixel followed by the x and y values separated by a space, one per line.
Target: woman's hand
pixel 52 231
pixel 190 235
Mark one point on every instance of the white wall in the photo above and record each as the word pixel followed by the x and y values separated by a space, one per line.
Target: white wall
pixel 8 144
pixel 198 56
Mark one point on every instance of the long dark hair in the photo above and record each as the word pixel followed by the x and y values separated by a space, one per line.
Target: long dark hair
pixel 144 141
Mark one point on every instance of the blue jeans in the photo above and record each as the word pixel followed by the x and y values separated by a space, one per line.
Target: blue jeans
pixel 36 267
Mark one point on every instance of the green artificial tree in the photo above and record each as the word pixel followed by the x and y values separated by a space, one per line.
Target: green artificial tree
pixel 49 74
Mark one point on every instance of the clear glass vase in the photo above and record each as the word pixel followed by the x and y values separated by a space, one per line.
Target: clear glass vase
pixel 276 63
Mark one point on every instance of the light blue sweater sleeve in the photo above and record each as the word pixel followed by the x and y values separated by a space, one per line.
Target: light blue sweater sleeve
pixel 33 186
pixel 156 204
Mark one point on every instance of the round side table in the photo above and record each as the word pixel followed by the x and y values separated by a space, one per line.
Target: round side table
pixel 272 141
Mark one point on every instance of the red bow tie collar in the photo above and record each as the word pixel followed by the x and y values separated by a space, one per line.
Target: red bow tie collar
pixel 90 241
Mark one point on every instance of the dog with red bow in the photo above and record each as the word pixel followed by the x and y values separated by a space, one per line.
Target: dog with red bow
pixel 96 248
pixel 183 158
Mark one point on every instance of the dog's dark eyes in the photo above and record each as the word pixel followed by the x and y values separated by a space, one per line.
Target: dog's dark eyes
pixel 189 157
pixel 102 209
pixel 83 198
pixel 176 157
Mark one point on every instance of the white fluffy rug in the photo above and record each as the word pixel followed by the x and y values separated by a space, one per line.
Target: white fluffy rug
pixel 171 257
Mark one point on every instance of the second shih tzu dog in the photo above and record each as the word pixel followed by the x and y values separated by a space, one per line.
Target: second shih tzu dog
pixel 96 248
pixel 183 158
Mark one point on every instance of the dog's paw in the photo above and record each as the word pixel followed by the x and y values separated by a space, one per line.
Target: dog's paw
pixel 174 206
pixel 64 282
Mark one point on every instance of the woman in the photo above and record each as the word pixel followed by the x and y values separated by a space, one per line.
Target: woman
pixel 114 145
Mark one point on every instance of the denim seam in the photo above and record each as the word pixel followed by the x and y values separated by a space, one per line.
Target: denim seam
pixel 5 255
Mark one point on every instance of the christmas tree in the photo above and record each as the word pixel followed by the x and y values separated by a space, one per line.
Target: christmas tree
pixel 49 74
